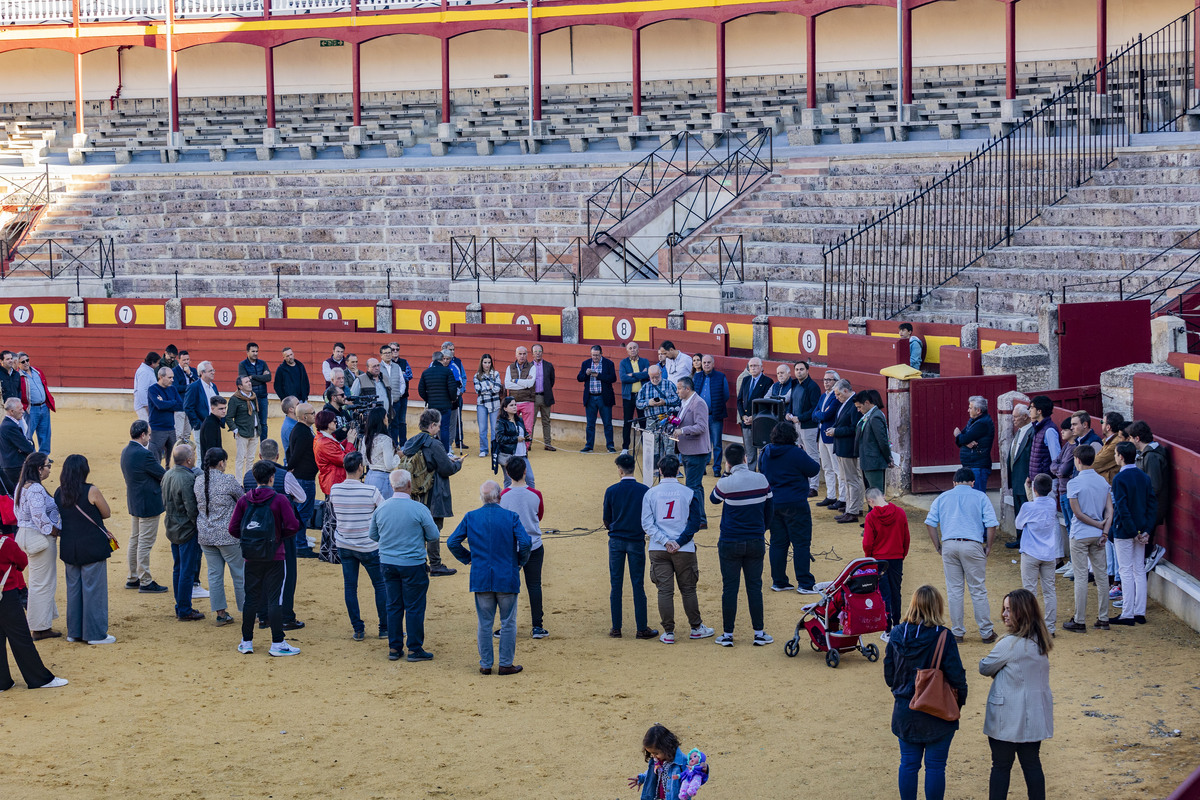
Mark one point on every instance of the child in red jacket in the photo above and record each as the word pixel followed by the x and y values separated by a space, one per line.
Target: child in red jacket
pixel 885 539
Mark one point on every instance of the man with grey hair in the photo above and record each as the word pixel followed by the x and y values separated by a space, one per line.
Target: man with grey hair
pixel 163 401
pixel 1018 461
pixel 499 547
pixel 521 381
pixel 460 377
pixel 403 527
pixel 370 384
pixel 843 429
pixel 397 373
pixel 38 401
pixel 15 446
pixel 439 390
pixel 751 388
pixel 975 441
pixel 179 516
pixel 197 400
pixel 825 414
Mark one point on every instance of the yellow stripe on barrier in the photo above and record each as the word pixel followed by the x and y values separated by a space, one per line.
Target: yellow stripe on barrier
pixel 1191 371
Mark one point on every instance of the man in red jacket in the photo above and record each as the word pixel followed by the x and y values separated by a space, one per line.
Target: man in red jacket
pixel 37 402
pixel 885 539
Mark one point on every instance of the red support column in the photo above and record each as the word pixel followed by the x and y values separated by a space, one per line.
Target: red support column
pixel 906 55
pixel 1196 50
pixel 535 80
pixel 445 80
pixel 356 82
pixel 720 67
pixel 1010 50
pixel 174 91
pixel 78 91
pixel 810 89
pixel 270 59
pixel 637 72
pixel 1101 46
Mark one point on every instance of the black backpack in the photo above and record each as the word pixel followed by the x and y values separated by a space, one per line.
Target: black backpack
pixel 258 531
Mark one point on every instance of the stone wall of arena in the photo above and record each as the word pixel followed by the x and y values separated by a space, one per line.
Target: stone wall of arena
pixel 962 32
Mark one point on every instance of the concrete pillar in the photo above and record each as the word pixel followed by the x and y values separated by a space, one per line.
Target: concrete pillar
pixel 898 480
pixel 174 314
pixel 383 316
pixel 969 337
pixel 475 314
pixel 1048 338
pixel 857 326
pixel 570 325
pixel 1029 362
pixel 272 137
pixel 275 308
pixel 762 336
pixel 80 139
pixel 1004 430
pixel 1116 385
pixel 358 135
pixel 638 124
pixel 1167 335
pixel 675 321
pixel 75 313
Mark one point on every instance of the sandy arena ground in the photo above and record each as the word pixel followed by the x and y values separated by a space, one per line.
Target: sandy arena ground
pixel 173 710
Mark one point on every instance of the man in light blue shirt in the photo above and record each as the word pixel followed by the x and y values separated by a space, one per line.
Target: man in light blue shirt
pixel 915 356
pixel 38 403
pixel 962 525
pixel 402 526
pixel 1091 517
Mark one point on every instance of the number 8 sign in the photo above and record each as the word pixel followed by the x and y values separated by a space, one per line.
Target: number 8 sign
pixel 429 320
pixel 225 316
pixel 623 330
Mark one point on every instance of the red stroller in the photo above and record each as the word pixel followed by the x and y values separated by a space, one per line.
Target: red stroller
pixel 849 607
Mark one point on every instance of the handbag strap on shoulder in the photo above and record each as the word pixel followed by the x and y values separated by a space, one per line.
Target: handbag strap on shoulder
pixel 937 653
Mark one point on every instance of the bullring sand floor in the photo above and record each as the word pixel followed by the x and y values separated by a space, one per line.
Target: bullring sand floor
pixel 173 710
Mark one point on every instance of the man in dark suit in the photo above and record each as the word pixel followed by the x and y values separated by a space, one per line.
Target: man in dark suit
pixel 713 388
pixel 15 446
pixel 843 431
pixel 291 378
pixel 143 499
pixel 259 373
pixel 1134 510
pixel 197 400
pixel 398 375
pixel 439 390
pixel 871 439
pixel 185 376
pixel 632 374
pixel 1017 458
pixel 598 374
pixel 543 393
pixel 752 387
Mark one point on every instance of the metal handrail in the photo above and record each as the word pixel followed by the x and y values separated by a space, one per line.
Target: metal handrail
pixel 716 188
pixel 1177 273
pixel 61 258
pixel 897 259
pixel 32 198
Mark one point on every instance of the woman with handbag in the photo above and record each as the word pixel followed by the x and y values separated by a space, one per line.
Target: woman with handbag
pixel 512 441
pixel 1020 706
pixel 13 628
pixel 925 673
pixel 216 495
pixel 84 547
pixel 38 523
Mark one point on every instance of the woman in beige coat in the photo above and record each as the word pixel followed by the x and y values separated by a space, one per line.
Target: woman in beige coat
pixel 1020 707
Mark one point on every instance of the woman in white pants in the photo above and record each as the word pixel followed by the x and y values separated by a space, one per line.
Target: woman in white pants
pixel 38 522
pixel 216 495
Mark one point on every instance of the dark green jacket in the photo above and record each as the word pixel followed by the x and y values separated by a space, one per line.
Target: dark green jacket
pixel 179 504
pixel 242 416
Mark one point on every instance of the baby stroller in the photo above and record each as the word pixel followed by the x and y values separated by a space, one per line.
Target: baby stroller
pixel 849 607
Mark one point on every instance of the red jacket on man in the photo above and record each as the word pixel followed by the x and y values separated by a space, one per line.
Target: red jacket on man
pixel 45 385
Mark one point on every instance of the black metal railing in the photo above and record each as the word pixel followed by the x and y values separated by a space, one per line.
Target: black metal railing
pixel 1153 279
pixel 681 156
pixel 897 259
pixel 718 259
pixel 56 258
pixel 716 188
pixel 29 197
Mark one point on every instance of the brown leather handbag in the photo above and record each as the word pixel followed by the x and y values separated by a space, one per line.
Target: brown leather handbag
pixel 931 693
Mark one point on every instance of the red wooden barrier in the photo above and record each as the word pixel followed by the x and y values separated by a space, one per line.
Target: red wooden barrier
pixel 1186 363
pixel 334 327
pixel 933 335
pixel 865 353
pixel 690 341
pixel 991 338
pixel 961 362
pixel 523 332
pixel 20 311
pixel 739 328
pixel 939 405
pixel 1079 398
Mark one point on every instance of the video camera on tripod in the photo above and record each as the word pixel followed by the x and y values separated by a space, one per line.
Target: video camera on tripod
pixel 358 409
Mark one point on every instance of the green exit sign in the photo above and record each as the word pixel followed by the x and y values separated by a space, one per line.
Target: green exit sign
pixel 332 43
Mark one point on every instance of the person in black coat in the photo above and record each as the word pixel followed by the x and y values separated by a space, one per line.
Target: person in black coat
pixel 439 389
pixel 15 446
pixel 752 387
pixel 291 378
pixel 843 431
pixel 143 498
pixel 302 463
pixel 598 374
pixel 911 646
pixel 209 434
pixel 975 441
pixel 543 395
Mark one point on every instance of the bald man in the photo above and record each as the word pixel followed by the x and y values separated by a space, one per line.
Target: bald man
pixel 179 516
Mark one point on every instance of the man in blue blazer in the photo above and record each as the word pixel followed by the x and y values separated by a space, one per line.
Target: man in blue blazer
pixel 598 374
pixel 143 498
pixel 633 375
pixel 196 399
pixel 1134 511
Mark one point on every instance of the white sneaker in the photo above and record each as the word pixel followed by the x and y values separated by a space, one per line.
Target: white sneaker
pixel 1155 556
pixel 884 637
pixel 667 638
pixel 703 632
pixel 72 639
pixel 1064 569
pixel 763 638
pixel 483 455
pixel 725 640
pixel 246 648
pixel 54 684
pixel 284 649
pixel 199 592
pixel 110 639
pixel 1070 573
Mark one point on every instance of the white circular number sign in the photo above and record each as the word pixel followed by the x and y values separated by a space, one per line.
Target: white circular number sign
pixel 225 316
pixel 429 320
pixel 125 315
pixel 719 329
pixel 330 313
pixel 21 315
pixel 810 342
pixel 623 328
pixel 522 320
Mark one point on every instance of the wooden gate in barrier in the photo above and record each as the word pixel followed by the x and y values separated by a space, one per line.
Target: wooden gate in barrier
pixel 939 405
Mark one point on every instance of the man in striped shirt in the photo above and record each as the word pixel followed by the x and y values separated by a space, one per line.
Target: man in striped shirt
pixel 353 504
pixel 742 544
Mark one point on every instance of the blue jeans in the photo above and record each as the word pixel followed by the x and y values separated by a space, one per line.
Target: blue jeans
pixel 935 754
pixel 528 473
pixel 595 403
pixel 486 605
pixel 187 561
pixel 444 432
pixel 693 476
pixel 407 588
pixel 39 425
pixel 486 422
pixel 715 429
pixel 370 561
pixel 981 477
pixel 263 410
pixel 305 512
pixel 635 551
pixel 398 422
pixel 737 559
